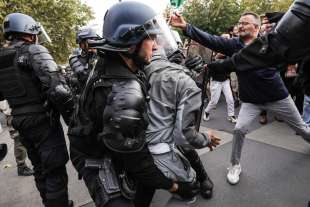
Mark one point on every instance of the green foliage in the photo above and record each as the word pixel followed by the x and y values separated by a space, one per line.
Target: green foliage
pixel 60 19
pixel 216 16
pixel 176 3
pixel 263 6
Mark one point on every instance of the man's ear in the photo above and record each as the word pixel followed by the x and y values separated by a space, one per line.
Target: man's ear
pixel 132 49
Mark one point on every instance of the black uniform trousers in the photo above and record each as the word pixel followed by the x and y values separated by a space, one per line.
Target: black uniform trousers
pixel 139 165
pixel 45 142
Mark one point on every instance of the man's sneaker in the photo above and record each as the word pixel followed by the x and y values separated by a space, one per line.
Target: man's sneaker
pixel 232 119
pixel 206 116
pixel 24 171
pixel 233 174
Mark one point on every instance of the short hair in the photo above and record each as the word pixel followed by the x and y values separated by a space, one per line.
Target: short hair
pixel 253 14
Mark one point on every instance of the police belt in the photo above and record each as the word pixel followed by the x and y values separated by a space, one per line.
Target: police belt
pixel 34 108
pixel 159 148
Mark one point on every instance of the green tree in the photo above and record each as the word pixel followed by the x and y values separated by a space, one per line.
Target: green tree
pixel 216 16
pixel 263 6
pixel 60 19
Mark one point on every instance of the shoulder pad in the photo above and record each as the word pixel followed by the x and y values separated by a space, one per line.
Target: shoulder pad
pixel 73 59
pixel 37 49
pixel 127 94
pixel 126 86
pixel 75 53
pixel 76 65
pixel 41 58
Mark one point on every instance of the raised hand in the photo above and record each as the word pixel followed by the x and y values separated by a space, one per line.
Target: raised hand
pixel 178 21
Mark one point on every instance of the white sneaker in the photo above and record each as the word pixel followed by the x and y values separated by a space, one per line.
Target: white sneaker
pixel 233 174
pixel 206 116
pixel 232 119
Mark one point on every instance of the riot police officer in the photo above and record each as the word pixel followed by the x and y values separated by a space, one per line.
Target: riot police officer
pixel 29 81
pixel 83 59
pixel 110 120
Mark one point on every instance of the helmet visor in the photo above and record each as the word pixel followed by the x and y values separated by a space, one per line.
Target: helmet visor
pixel 43 37
pixel 164 37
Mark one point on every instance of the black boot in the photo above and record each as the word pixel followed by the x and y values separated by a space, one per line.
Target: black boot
pixel 59 202
pixel 3 151
pixel 206 184
pixel 71 203
pixel 206 188
pixel 24 171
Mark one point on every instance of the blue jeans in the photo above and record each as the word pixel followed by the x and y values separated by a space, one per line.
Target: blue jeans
pixel 306 112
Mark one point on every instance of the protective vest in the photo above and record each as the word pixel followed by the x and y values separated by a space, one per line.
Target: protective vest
pixel 17 81
pixel 124 118
pixel 122 126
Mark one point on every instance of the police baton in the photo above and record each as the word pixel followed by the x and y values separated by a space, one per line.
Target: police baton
pixel 206 77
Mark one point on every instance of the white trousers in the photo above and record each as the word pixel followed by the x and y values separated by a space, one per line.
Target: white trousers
pixel 216 88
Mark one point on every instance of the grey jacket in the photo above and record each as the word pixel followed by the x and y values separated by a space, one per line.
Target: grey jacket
pixel 174 105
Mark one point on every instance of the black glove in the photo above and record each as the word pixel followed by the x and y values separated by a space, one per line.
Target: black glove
pixel 187 190
pixel 3 151
pixel 176 57
pixel 194 63
pixel 61 98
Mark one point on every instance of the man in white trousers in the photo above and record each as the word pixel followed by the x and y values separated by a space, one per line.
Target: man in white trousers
pixel 220 82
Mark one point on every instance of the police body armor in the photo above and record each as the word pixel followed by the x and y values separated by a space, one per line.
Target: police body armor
pixel 123 129
pixel 124 117
pixel 17 82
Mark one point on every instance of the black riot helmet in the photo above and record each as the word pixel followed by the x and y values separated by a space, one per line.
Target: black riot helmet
pixel 18 23
pixel 126 24
pixel 85 33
